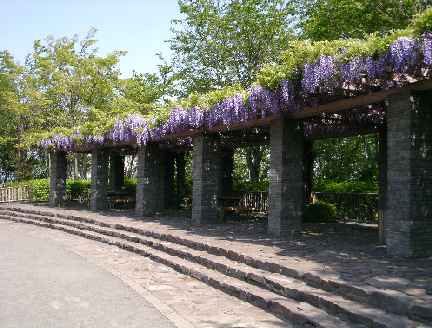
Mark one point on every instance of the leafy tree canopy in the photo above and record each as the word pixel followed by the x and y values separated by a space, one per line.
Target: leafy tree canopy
pixel 335 19
pixel 219 43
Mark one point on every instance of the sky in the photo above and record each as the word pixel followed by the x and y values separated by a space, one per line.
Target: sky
pixel 138 26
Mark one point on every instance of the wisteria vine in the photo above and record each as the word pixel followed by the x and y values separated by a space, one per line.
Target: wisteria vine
pixel 327 76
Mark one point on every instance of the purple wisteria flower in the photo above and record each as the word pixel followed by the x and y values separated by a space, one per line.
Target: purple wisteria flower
pixel 59 142
pixel 262 102
pixel 404 55
pixel 128 129
pixel 286 95
pixel 97 140
pixel 320 76
pixel 355 70
pixel 229 111
pixel 177 120
pixel 180 120
pixel 195 118
pixel 427 48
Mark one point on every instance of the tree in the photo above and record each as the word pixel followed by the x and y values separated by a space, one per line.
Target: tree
pixel 148 88
pixel 9 115
pixel 62 85
pixel 334 19
pixel 65 81
pixel 219 43
pixel 348 159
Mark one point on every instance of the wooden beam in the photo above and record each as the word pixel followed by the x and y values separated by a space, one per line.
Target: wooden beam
pixel 358 101
pixel 347 134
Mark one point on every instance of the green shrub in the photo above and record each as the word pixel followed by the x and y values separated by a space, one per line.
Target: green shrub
pixel 130 185
pixel 76 188
pixel 319 212
pixel 346 186
pixel 250 186
pixel 40 189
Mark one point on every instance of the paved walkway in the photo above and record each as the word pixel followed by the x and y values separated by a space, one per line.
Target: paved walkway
pixel 337 252
pixel 186 302
pixel 44 285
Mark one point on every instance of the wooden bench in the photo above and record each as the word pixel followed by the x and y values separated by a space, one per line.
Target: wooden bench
pixel 119 199
pixel 230 204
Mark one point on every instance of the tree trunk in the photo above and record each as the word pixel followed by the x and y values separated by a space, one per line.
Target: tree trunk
pixel 253 158
pixel 130 166
pixel 24 168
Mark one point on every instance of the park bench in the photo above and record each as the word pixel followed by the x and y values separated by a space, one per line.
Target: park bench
pixel 119 199
pixel 231 204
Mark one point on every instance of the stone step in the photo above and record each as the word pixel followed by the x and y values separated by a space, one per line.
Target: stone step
pixel 301 314
pixel 386 300
pixel 277 283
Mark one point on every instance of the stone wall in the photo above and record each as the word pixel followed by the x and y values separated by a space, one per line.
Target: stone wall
pixel 58 166
pixel 408 210
pixel 169 179
pixel 150 193
pixel 99 180
pixel 207 180
pixel 227 163
pixel 286 194
pixel 180 161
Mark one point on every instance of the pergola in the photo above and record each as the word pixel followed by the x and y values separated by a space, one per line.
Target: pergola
pixel 402 116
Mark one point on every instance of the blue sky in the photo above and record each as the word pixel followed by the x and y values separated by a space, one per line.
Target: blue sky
pixel 139 27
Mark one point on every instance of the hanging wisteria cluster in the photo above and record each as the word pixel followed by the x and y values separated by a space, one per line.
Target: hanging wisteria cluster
pixel 327 76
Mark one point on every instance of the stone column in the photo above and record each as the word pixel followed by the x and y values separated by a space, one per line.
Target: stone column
pixel 180 178
pixel 227 171
pixel 58 166
pixel 408 212
pixel 117 174
pixel 99 180
pixel 286 194
pixel 207 184
pixel 150 196
pixel 382 181
pixel 308 161
pixel 169 180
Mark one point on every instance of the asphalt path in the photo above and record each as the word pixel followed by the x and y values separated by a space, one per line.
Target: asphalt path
pixel 43 285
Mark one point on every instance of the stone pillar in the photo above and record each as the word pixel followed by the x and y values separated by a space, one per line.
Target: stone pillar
pixel 58 166
pixel 180 161
pixel 117 174
pixel 207 184
pixel 286 194
pixel 150 196
pixel 227 171
pixel 169 180
pixel 408 212
pixel 382 181
pixel 99 180
pixel 308 161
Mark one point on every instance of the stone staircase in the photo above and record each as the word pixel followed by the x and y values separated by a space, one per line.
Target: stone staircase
pixel 300 298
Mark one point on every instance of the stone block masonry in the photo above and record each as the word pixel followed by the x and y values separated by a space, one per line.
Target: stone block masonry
pixel 286 194
pixel 408 210
pixel 99 180
pixel 207 179
pixel 150 194
pixel 57 178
